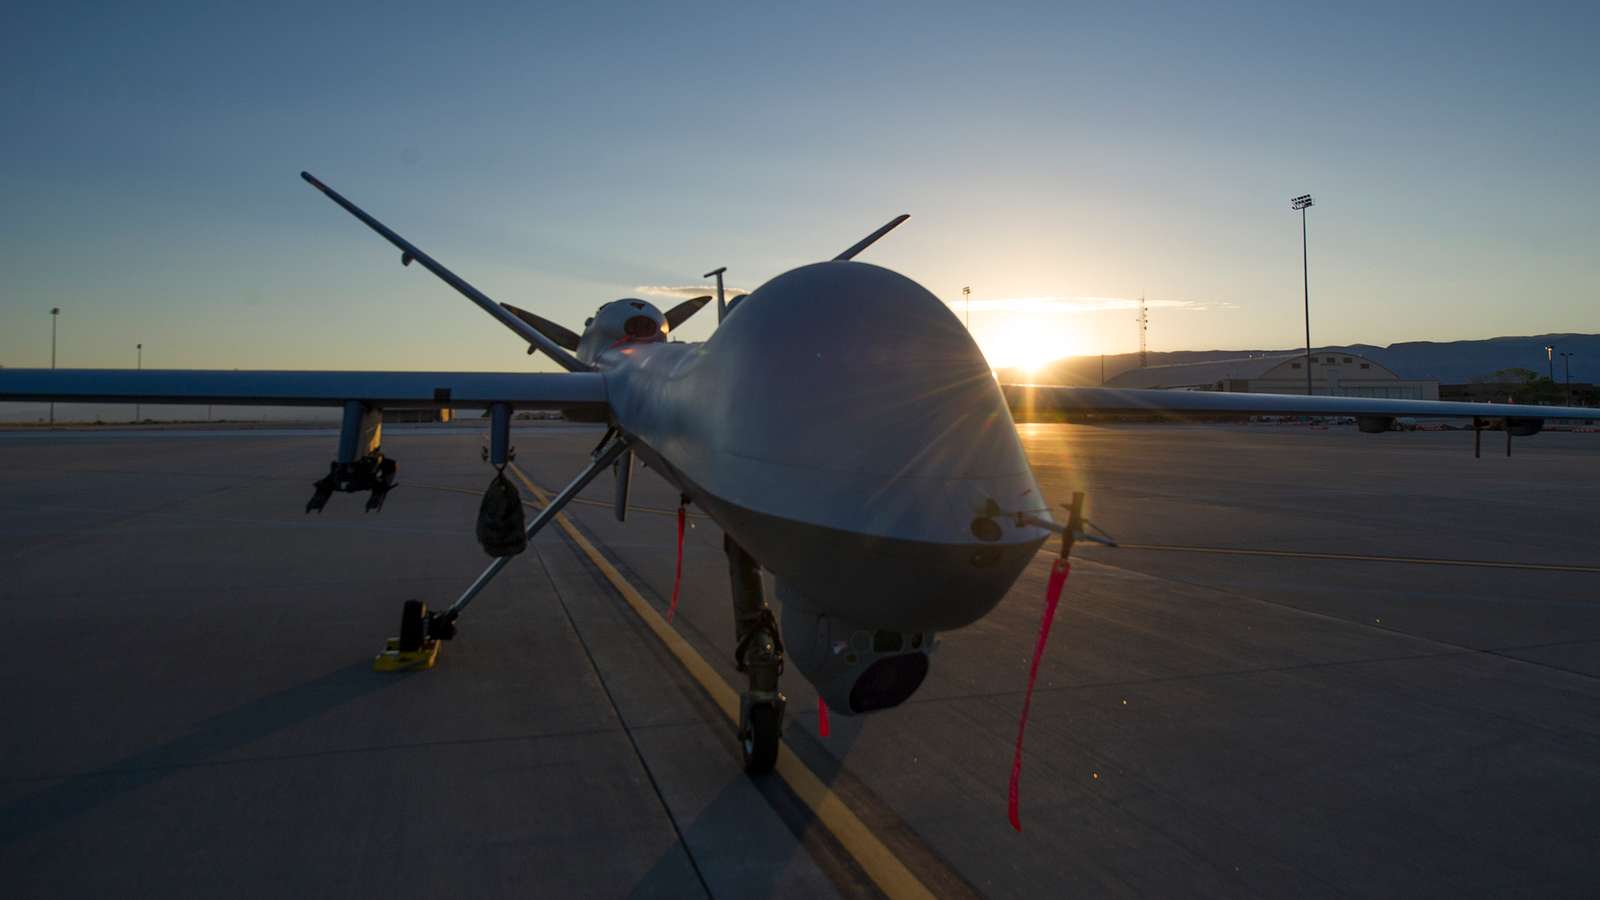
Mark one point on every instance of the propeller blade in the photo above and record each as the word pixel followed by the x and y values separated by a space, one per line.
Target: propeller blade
pixel 872 238
pixel 549 329
pixel 679 314
pixel 409 253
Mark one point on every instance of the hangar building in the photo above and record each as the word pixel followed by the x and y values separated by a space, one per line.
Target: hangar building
pixel 1335 373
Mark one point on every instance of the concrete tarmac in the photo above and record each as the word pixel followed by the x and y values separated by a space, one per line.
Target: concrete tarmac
pixel 191 710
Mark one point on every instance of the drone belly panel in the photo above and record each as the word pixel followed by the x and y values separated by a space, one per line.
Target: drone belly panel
pixel 849 546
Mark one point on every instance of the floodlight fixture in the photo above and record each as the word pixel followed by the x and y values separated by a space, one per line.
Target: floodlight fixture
pixel 1299 204
pixel 55 313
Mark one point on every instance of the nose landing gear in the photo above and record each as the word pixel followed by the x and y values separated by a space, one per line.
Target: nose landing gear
pixel 759 654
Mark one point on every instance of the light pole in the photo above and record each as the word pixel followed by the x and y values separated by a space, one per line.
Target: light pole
pixel 140 348
pixel 1301 203
pixel 1549 357
pixel 966 294
pixel 55 313
pixel 1566 366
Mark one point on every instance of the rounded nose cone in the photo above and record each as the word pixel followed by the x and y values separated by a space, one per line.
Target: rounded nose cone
pixel 856 439
pixel 852 367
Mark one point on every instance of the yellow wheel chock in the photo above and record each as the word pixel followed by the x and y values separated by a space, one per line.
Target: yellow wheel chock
pixel 393 659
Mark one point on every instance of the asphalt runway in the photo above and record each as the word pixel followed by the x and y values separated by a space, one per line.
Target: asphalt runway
pixel 191 711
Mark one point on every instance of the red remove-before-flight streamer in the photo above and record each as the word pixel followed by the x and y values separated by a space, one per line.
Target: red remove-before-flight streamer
pixel 677 576
pixel 1052 596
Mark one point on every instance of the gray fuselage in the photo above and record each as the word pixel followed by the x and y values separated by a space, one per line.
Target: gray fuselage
pixel 842 426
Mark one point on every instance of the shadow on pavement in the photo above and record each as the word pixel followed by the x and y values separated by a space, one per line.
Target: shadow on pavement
pixel 81 793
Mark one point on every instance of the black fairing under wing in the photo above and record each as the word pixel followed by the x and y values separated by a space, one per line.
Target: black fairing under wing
pixel 569 391
pixel 1178 404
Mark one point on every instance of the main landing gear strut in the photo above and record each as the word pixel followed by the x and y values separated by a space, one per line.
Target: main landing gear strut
pixel 759 654
pixel 421 630
pixel 360 464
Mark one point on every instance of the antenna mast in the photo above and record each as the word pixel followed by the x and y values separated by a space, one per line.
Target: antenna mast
pixel 1144 328
pixel 722 305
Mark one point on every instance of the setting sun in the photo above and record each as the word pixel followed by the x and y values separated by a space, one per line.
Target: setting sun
pixel 1027 343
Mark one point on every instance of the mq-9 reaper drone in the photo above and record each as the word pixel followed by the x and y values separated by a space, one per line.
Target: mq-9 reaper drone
pixel 840 426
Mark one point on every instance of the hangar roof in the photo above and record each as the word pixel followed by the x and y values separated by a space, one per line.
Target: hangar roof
pixel 1207 374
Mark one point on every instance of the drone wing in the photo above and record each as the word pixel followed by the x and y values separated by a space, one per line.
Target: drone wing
pixel 1372 414
pixel 582 391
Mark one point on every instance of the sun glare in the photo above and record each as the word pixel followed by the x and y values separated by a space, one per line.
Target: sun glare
pixel 1024 344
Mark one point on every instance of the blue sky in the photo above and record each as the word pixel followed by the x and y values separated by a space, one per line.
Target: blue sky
pixel 559 158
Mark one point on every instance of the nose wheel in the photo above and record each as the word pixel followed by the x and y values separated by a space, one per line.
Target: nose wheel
pixel 760 657
pixel 758 740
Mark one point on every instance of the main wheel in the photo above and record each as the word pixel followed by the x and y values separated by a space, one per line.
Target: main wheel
pixel 760 746
pixel 413 626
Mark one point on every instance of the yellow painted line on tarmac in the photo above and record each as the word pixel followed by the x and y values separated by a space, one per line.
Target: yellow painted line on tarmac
pixel 877 860
pixel 1358 557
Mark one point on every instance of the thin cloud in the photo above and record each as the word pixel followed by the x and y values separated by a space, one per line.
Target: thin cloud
pixel 686 292
pixel 1078 305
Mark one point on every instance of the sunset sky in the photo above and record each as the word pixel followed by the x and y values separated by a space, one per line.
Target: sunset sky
pixel 1061 161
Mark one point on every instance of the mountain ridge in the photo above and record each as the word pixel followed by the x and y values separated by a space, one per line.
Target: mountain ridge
pixel 1449 362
